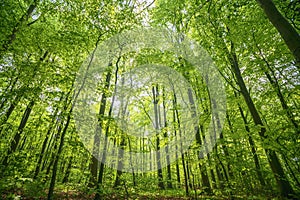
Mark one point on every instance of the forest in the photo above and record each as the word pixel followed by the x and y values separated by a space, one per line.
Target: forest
pixel 149 99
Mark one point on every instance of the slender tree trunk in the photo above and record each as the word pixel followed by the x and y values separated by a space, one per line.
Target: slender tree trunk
pixel 10 87
pixel 188 171
pixel 289 34
pixel 44 145
pixel 176 148
pixel 291 171
pixel 218 128
pixel 107 130
pixel 185 175
pixel 17 27
pixel 220 177
pixel 157 127
pixel 94 162
pixel 41 155
pixel 181 151
pixel 68 171
pixel 122 112
pixel 283 184
pixel 57 157
pixel 207 183
pixel 169 182
pixel 213 177
pixel 276 86
pixel 253 150
pixel 101 169
pixel 133 173
pixel 18 97
pixel 51 148
pixel 15 141
pixel 10 110
pixel 230 172
pixel 53 145
pixel 202 168
pixel 120 161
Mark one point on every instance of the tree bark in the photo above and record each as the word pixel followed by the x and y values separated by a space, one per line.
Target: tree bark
pixel 181 151
pixel 17 27
pixel 17 137
pixel 286 30
pixel 57 157
pixel 276 86
pixel 44 145
pixel 253 150
pixel 68 171
pixel 202 168
pixel 169 181
pixel 94 162
pixel 157 127
pixel 283 184
pixel 176 148
pixel 107 130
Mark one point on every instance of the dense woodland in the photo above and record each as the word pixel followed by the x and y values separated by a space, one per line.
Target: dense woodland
pixel 255 46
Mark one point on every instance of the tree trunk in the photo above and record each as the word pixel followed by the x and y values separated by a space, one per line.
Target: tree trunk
pixel 17 27
pixel 157 127
pixel 202 168
pixel 289 34
pixel 176 148
pixel 10 87
pixel 283 184
pixel 44 145
pixel 169 182
pixel 276 86
pixel 253 149
pixel 17 137
pixel 181 151
pixel 122 112
pixel 107 130
pixel 120 161
pixel 68 171
pixel 94 162
pixel 133 173
pixel 18 97
pixel 57 157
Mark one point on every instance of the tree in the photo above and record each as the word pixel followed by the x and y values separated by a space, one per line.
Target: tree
pixel 288 33
pixel 43 153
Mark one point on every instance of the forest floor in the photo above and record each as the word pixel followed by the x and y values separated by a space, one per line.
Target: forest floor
pixel 82 196
pixel 18 194
pixel 21 194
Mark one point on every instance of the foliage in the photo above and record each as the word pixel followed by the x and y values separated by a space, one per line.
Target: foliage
pixel 43 44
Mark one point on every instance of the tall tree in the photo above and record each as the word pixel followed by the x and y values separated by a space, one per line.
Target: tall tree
pixel 288 33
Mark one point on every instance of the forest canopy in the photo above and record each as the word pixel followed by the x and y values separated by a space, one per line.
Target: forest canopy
pixel 154 99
